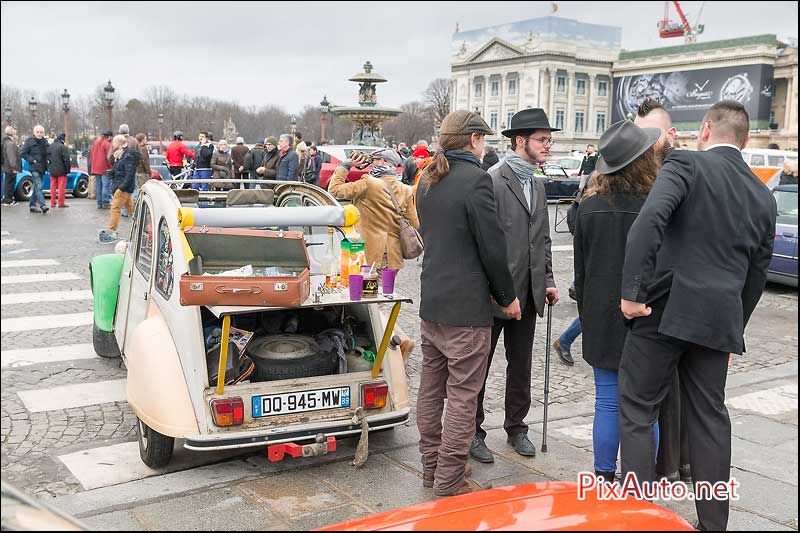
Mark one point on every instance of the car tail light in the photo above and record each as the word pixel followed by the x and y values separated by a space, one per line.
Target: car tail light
pixel 228 412
pixel 373 395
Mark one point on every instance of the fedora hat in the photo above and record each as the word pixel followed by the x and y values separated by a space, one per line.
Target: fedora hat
pixel 528 119
pixel 622 143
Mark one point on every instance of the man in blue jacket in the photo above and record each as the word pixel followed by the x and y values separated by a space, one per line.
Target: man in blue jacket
pixel 288 160
pixel 124 183
pixel 34 151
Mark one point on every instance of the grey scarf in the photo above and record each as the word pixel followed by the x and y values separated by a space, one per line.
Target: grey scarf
pixel 521 168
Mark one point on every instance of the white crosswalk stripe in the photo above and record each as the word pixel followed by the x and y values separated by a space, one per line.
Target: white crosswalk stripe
pixel 9 242
pixel 38 278
pixel 21 251
pixel 54 296
pixel 52 354
pixel 27 323
pixel 69 396
pixel 21 263
pixel 4 233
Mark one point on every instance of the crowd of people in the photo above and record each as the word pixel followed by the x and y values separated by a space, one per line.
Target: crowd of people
pixel 651 268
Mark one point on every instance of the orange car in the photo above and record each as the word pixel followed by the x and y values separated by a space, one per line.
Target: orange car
pixel 531 507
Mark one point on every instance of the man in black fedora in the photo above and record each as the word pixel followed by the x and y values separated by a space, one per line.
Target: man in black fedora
pixel 690 283
pixel 522 209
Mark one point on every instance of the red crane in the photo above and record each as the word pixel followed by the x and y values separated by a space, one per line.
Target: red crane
pixel 668 28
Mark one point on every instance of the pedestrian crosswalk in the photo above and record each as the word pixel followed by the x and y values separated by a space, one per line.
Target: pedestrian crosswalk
pixel 38 278
pixel 39 297
pixel 29 323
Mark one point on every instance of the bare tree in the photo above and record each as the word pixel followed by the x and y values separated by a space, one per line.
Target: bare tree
pixel 414 124
pixel 437 96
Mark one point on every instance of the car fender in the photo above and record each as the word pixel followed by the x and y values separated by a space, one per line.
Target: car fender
pixel 73 177
pixel 104 273
pixel 156 387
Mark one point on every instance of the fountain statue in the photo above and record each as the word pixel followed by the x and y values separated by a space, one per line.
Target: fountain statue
pixel 368 116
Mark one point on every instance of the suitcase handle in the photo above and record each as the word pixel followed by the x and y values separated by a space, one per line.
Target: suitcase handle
pixel 238 290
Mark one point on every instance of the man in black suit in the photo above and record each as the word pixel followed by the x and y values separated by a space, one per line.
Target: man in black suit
pixel 464 269
pixel 695 267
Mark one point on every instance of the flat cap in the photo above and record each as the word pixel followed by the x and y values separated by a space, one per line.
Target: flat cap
pixel 464 122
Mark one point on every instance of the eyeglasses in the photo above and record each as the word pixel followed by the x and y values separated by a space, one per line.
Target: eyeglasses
pixel 544 140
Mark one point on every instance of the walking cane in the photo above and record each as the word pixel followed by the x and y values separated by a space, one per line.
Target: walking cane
pixel 547 376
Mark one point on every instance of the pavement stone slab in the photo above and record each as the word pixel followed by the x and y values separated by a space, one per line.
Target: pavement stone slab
pixel 295 493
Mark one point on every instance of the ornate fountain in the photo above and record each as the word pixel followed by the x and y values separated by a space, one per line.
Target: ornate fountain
pixel 368 116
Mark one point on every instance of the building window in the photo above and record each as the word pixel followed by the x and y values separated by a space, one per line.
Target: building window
pixel 561 84
pixel 495 88
pixel 493 120
pixel 581 86
pixel 602 88
pixel 512 87
pixel 560 119
pixel 478 89
pixel 579 122
pixel 508 117
pixel 601 123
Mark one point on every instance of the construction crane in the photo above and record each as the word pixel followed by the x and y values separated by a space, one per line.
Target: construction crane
pixel 668 28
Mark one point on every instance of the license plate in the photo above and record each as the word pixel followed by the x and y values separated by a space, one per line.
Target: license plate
pixel 300 402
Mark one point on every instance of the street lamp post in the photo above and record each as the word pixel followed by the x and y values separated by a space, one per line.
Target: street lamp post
pixel 96 120
pixel 108 98
pixel 325 107
pixel 32 104
pixel 65 107
pixel 293 120
pixel 7 113
pixel 160 132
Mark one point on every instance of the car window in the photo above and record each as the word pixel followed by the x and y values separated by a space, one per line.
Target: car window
pixel 775 160
pixel 787 207
pixel 756 160
pixel 164 274
pixel 325 157
pixel 144 250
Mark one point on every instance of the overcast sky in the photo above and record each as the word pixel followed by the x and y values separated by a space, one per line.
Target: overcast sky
pixel 290 53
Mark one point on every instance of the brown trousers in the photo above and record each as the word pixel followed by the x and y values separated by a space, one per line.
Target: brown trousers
pixel 120 200
pixel 454 363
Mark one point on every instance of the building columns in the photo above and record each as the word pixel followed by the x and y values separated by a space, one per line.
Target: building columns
pixel 591 120
pixel 552 103
pixel 568 125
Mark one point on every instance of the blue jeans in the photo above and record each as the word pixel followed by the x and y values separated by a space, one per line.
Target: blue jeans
pixel 605 431
pixel 201 174
pixel 37 197
pixel 103 189
pixel 571 333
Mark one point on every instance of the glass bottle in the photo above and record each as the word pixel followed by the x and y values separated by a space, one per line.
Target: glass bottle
pixel 330 263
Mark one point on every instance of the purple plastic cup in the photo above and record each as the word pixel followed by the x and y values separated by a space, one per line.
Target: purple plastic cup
pixel 388 276
pixel 356 281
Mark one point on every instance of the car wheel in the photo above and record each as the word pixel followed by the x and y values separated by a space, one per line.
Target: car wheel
pixel 155 449
pixel 25 189
pixel 104 342
pixel 280 357
pixel 81 189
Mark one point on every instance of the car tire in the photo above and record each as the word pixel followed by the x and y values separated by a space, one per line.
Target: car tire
pixel 25 189
pixel 81 189
pixel 155 449
pixel 279 357
pixel 105 343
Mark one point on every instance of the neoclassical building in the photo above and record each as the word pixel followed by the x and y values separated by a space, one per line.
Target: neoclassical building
pixel 561 65
pixel 578 73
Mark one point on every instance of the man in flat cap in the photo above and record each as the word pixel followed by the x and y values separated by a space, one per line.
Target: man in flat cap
pixel 464 270
pixel 522 210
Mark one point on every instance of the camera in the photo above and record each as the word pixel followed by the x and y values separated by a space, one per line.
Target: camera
pixel 366 162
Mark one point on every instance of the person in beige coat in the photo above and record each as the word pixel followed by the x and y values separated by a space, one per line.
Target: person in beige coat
pixel 380 222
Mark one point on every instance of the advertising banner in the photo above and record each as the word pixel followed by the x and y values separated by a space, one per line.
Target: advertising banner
pixel 687 95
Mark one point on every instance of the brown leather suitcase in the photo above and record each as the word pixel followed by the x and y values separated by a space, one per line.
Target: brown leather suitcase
pixel 279 259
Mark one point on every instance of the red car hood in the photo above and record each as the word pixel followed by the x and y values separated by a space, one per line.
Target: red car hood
pixel 535 506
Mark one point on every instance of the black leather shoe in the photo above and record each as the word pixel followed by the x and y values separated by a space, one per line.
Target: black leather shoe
pixel 606 477
pixel 563 353
pixel 479 451
pixel 522 444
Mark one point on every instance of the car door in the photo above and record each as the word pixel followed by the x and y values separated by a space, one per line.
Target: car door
pixel 784 254
pixel 137 275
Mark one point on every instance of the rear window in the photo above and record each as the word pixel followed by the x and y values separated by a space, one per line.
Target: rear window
pixel 775 160
pixel 787 207
pixel 757 160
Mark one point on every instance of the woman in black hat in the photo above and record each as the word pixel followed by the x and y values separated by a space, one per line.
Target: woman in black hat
pixel 627 168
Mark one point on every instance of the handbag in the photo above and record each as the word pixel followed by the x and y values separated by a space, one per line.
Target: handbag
pixel 411 244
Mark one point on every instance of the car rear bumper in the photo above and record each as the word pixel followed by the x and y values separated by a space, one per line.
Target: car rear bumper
pixel 293 433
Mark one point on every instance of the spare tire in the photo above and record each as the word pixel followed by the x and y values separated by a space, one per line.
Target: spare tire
pixel 287 356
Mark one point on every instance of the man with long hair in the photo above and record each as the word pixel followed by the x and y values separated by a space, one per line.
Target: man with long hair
pixel 464 270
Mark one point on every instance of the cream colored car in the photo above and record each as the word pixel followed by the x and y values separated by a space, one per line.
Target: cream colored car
pixel 180 387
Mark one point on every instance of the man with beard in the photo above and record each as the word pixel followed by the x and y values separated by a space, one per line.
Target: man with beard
pixel 673 454
pixel 522 211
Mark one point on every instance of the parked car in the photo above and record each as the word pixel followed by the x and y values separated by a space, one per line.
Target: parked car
pixel 571 165
pixel 333 155
pixel 77 183
pixel 557 183
pixel 282 390
pixel 764 162
pixel 159 168
pixel 783 267
pixel 529 507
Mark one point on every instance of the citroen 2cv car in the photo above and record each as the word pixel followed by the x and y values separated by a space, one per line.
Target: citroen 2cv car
pixel 265 356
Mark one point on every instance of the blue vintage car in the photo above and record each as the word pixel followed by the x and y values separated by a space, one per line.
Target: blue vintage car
pixel 77 183
pixel 783 267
